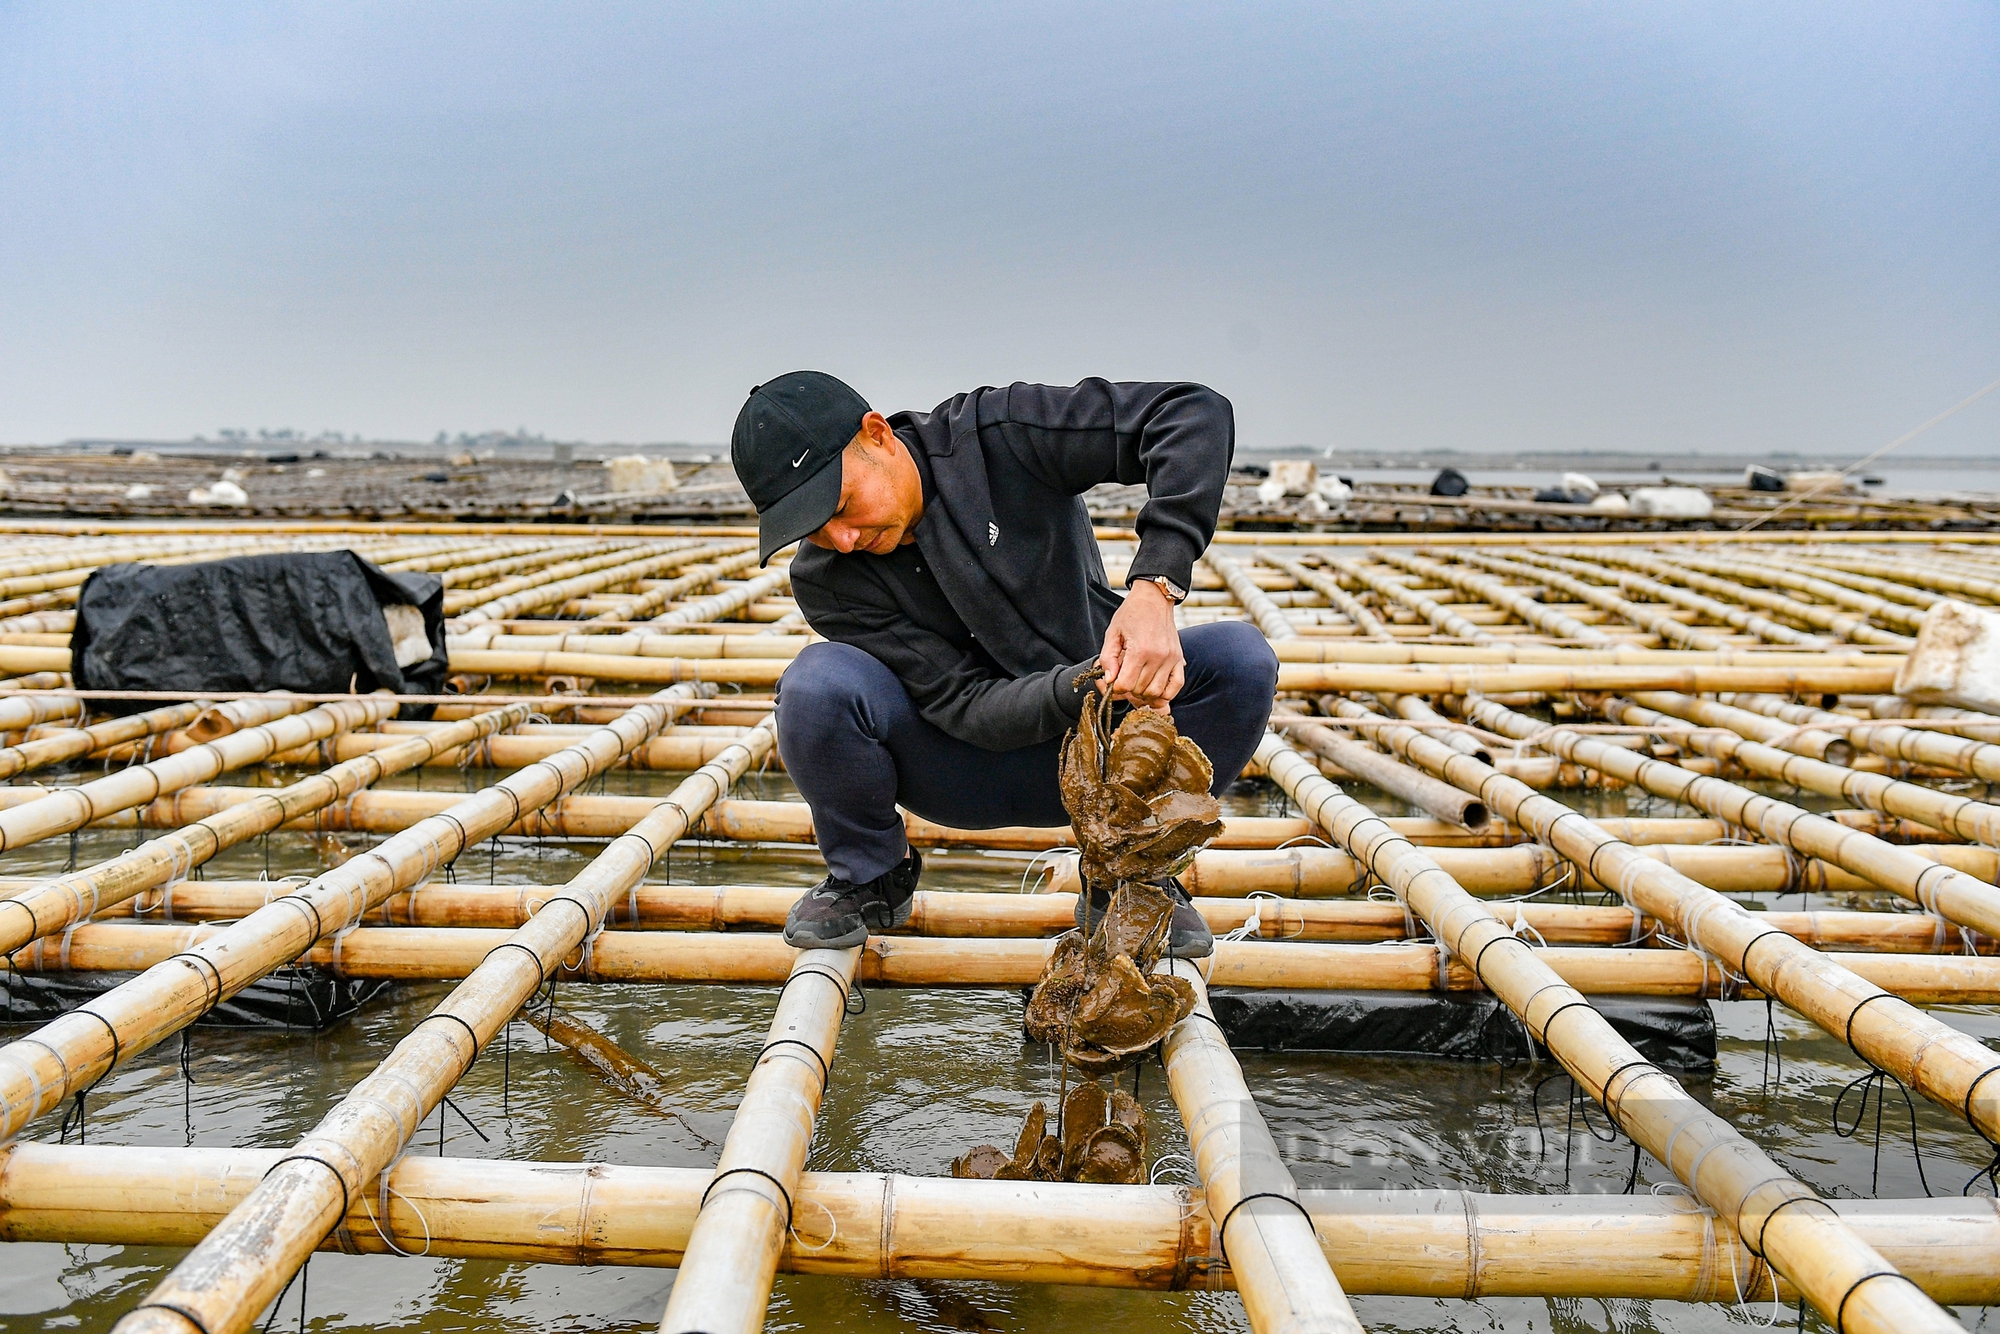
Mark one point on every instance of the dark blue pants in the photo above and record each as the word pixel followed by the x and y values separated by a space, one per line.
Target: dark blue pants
pixel 857 748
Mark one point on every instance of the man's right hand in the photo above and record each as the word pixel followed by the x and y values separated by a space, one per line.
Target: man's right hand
pixel 1142 657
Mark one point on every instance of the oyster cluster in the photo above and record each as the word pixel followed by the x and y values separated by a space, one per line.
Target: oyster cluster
pixel 1102 1138
pixel 1138 799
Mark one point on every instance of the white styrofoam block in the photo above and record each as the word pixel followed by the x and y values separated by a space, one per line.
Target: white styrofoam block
pixel 1672 502
pixel 1296 476
pixel 637 475
pixel 1956 660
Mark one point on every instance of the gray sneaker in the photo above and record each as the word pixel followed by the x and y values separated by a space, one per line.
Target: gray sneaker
pixel 837 915
pixel 1187 938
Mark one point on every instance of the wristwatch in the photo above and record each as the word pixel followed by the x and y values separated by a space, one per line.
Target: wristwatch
pixel 1175 593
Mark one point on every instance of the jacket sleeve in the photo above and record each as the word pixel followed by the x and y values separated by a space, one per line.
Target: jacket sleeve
pixel 952 689
pixel 1178 439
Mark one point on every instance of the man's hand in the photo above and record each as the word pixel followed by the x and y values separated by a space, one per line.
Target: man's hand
pixel 1142 658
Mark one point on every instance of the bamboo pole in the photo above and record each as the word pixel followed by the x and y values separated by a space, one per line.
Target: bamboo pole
pixel 662 557
pixel 1366 621
pixel 1568 559
pixel 1416 710
pixel 1882 588
pixel 524 592
pixel 1398 780
pixel 1261 1229
pixel 413 954
pixel 243 1264
pixel 1448 679
pixel 462 580
pixel 1966 722
pixel 1776 575
pixel 747 1210
pixel 790 822
pixel 1349 651
pixel 263 728
pixel 1936 888
pixel 963 914
pixel 725 559
pixel 726 604
pixel 1962 817
pixel 1421 1243
pixel 20 712
pixel 1851 628
pixel 615 667
pixel 1653 620
pixel 1251 598
pixel 72 743
pixel 1846 1279
pixel 1966 754
pixel 72 1053
pixel 1945 1065
pixel 646 644
pixel 45 907
pixel 682 753
pixel 1932 575
pixel 1441 617
pixel 1518 605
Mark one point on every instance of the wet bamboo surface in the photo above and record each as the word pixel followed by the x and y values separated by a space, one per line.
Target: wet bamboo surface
pixel 1585 768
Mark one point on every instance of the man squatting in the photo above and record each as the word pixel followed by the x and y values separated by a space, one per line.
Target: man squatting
pixel 948 561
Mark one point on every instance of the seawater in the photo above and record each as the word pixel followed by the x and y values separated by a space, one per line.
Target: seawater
pixel 918 1078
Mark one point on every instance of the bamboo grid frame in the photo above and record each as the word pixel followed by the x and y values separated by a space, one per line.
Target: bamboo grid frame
pixel 1682 665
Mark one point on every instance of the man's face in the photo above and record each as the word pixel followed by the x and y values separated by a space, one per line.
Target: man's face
pixel 881 496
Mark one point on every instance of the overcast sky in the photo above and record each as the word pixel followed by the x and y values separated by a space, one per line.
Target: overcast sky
pixel 1730 228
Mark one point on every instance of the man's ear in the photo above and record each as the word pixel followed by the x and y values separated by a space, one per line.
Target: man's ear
pixel 876 427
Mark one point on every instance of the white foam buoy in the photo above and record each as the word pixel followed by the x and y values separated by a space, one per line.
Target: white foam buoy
pixel 1956 660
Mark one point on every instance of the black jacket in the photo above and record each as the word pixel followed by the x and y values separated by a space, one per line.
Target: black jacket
pixel 1003 596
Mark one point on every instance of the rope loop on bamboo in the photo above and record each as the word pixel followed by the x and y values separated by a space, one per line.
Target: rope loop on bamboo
pixel 34 923
pixel 753 1171
pixel 87 1089
pixel 298 899
pixel 460 1021
pixel 1755 941
pixel 1788 1202
pixel 339 1177
pixel 1613 1104
pixel 1549 1022
pixel 819 1061
pixel 199 962
pixel 541 969
pixel 812 970
pixel 1478 958
pixel 183 1312
pixel 1222 1228
pixel 1840 1310
pixel 1971 1090
pixel 1847 1034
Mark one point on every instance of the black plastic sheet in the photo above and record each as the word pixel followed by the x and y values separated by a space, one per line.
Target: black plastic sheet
pixel 1673 1033
pixel 305 621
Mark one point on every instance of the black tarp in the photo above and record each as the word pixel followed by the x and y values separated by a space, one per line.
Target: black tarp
pixel 304 621
pixel 296 997
pixel 1673 1033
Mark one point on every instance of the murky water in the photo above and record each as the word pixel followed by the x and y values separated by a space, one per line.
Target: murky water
pixel 918 1078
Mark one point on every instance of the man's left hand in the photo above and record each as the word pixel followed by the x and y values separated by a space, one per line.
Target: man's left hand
pixel 1142 657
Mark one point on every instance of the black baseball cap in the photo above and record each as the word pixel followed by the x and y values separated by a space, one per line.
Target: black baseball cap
pixel 787 446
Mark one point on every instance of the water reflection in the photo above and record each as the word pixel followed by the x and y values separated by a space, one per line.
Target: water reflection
pixel 918 1076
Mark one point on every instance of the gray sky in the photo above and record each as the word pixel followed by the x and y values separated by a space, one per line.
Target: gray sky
pixel 1727 228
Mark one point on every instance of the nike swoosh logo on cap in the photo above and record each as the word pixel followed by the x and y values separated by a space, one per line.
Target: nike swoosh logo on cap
pixel 800 459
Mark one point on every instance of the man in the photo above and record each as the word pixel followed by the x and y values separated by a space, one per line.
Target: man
pixel 948 559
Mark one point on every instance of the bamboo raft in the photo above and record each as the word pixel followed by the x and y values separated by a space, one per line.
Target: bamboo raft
pixel 1476 689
